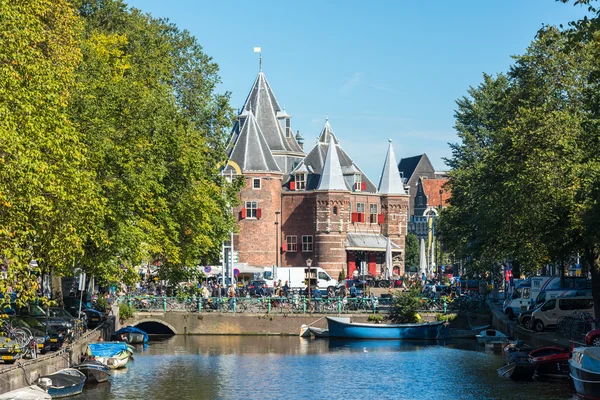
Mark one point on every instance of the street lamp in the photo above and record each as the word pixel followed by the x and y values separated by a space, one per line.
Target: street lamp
pixel 308 264
pixel 277 238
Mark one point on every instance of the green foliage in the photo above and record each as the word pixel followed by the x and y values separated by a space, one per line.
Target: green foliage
pixel 125 311
pixel 342 275
pixel 404 307
pixel 103 304
pixel 412 251
pixel 446 317
pixel 375 318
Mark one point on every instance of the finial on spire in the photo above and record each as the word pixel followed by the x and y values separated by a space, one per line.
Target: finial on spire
pixel 390 140
pixel 326 117
pixel 259 51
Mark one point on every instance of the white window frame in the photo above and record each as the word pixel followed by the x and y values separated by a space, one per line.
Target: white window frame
pixel 292 242
pixel 251 207
pixel 307 243
pixel 300 183
pixel 254 180
pixel 360 208
pixel 373 206
pixel 357 182
pixel 288 128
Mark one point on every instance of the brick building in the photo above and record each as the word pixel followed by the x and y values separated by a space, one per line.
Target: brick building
pixel 316 205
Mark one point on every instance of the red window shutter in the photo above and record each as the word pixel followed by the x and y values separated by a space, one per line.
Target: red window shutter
pixel 292 185
pixel 354 217
pixel 361 217
pixel 243 213
pixel 258 213
pixel 363 186
pixel 380 219
pixel 283 247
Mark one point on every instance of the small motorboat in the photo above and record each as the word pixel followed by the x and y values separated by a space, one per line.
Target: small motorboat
pixel 519 366
pixel 64 383
pixel 27 393
pixel 490 336
pixel 467 333
pixel 113 354
pixel 551 362
pixel 131 334
pixel 95 371
pixel 584 366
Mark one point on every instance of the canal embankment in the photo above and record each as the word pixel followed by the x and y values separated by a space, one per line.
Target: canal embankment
pixel 509 327
pixel 25 372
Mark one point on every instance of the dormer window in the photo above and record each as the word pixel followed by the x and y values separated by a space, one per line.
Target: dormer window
pixel 357 182
pixel 288 128
pixel 301 181
pixel 242 122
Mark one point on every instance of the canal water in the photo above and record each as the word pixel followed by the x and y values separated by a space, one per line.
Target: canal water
pixel 263 367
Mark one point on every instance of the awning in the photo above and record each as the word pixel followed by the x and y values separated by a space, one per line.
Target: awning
pixel 369 242
pixel 244 268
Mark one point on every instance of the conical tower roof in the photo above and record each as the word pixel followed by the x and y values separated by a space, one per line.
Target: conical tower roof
pixel 263 104
pixel 251 151
pixel 332 177
pixel 390 182
pixel 327 133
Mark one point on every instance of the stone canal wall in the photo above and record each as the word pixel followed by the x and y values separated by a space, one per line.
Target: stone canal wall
pixel 25 372
pixel 182 323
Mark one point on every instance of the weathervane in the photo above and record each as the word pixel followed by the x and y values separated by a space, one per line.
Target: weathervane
pixel 257 50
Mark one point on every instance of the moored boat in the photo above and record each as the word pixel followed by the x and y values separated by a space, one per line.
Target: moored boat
pixel 584 366
pixel 64 383
pixel 113 354
pixel 551 362
pixel 490 336
pixel 519 366
pixel 27 393
pixel 132 335
pixel 343 328
pixel 95 371
pixel 467 333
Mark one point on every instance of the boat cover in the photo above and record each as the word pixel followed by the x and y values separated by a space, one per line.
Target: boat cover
pixel 591 359
pixel 132 329
pixel 107 349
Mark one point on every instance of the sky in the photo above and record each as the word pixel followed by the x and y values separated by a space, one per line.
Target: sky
pixel 378 70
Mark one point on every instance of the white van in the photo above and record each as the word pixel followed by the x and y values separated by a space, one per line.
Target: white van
pixel 552 310
pixel 296 277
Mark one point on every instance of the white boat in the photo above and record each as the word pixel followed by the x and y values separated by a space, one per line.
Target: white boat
pixel 33 392
pixel 491 336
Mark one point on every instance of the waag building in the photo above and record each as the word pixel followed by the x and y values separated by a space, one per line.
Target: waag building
pixel 299 204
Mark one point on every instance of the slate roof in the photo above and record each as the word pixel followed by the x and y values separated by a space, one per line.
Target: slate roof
pixel 263 104
pixel 251 151
pixel 432 187
pixel 332 177
pixel 368 241
pixel 390 182
pixel 409 165
pixel 316 157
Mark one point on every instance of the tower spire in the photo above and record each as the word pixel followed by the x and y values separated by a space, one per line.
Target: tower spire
pixel 331 176
pixel 390 182
pixel 259 51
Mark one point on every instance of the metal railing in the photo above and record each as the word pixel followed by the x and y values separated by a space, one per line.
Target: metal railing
pixel 259 305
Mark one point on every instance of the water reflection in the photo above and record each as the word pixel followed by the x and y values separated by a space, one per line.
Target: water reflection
pixel 249 367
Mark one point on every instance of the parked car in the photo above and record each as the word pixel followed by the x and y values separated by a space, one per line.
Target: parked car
pixel 56 339
pixel 548 314
pixel 73 305
pixel 593 338
pixel 62 325
pixel 359 284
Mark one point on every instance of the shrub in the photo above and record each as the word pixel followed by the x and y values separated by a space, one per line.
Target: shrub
pixel 125 311
pixel 446 317
pixel 341 276
pixel 404 307
pixel 375 318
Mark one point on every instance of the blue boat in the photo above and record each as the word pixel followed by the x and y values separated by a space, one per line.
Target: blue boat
pixel 344 329
pixel 64 383
pixel 134 335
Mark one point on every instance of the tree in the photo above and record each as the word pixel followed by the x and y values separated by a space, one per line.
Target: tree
pixel 155 129
pixel 48 196
pixel 411 248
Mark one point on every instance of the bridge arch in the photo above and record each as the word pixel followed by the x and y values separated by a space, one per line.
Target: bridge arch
pixel 156 326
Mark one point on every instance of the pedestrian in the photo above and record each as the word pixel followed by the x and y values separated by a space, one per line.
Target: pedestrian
pixel 330 293
pixel 286 289
pixel 353 290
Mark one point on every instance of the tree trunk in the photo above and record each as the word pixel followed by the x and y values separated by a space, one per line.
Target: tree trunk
pixel 56 284
pixel 593 258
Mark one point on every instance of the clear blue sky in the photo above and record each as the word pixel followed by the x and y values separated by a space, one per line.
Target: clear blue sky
pixel 379 69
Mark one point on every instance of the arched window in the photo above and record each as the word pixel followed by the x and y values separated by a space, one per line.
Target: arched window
pixel 334 210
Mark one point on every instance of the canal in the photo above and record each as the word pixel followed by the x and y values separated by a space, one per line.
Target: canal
pixel 269 367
